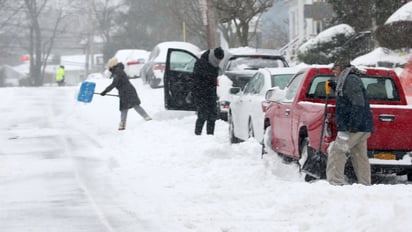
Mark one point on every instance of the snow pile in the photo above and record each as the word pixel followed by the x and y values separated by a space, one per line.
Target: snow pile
pixel 402 14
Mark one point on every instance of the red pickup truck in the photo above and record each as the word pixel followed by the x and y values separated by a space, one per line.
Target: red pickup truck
pixel 293 123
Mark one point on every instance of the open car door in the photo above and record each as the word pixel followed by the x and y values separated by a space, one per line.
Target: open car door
pixel 178 80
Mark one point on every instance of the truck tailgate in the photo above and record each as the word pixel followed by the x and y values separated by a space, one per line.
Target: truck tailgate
pixel 393 128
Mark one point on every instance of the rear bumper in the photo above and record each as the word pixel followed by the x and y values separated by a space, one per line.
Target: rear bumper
pixel 223 109
pixel 400 166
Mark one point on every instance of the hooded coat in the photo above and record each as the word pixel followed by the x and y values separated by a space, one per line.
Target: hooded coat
pixel 127 93
pixel 204 88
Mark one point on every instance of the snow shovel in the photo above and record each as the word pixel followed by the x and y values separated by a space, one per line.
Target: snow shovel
pixel 315 165
pixel 87 91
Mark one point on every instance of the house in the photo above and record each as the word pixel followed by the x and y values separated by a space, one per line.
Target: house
pixel 74 65
pixel 306 20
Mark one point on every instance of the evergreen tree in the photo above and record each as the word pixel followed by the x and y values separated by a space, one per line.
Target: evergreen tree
pixel 363 15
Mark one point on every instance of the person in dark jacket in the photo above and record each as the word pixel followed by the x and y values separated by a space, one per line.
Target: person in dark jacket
pixel 205 74
pixel 127 93
pixel 354 124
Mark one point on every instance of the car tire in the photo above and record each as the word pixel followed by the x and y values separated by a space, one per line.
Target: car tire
pixel 232 137
pixel 267 141
pixel 152 83
pixel 251 133
pixel 409 176
pixel 303 151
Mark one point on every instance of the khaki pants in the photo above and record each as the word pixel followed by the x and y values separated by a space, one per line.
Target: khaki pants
pixel 356 145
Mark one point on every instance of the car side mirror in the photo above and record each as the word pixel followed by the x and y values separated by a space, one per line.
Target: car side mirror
pixel 274 94
pixel 234 90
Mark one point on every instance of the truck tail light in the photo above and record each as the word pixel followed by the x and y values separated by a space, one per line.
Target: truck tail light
pixel 160 67
pixel 133 62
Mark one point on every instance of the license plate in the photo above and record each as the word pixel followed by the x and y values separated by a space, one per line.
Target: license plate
pixel 384 156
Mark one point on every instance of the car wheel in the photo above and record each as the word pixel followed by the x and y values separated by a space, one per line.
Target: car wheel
pixel 267 141
pixel 251 133
pixel 303 152
pixel 409 176
pixel 303 157
pixel 233 138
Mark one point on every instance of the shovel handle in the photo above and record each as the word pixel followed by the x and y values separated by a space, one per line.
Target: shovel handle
pixel 108 94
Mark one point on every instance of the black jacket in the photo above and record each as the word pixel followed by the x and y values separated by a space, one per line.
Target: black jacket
pixel 353 112
pixel 127 93
pixel 205 80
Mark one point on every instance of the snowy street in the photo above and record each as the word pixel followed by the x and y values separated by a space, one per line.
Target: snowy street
pixel 64 167
pixel 47 181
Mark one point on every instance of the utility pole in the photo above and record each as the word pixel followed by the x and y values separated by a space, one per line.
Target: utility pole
pixel 90 40
pixel 210 21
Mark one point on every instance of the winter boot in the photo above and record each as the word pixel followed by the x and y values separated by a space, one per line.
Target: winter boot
pixel 122 125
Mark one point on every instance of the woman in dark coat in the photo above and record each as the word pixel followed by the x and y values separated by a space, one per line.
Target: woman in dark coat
pixel 205 75
pixel 127 93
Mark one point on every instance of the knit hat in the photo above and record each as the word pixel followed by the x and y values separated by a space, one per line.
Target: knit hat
pixel 112 62
pixel 341 62
pixel 219 53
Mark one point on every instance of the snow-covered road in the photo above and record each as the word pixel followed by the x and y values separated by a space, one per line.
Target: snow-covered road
pixel 64 167
pixel 47 181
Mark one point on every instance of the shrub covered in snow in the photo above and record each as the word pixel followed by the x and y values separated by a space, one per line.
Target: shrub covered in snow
pixel 326 47
pixel 396 31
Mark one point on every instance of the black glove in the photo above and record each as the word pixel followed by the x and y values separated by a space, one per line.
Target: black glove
pixel 103 93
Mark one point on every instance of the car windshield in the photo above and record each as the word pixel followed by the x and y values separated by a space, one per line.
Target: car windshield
pixel 281 80
pixel 253 62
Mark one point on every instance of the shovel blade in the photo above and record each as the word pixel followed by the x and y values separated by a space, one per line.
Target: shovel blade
pixel 315 165
pixel 86 92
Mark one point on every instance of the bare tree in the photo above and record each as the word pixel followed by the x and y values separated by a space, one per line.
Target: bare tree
pixel 189 13
pixel 277 34
pixel 105 13
pixel 41 45
pixel 240 14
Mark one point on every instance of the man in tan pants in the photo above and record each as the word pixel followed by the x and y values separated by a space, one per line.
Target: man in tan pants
pixel 355 144
pixel 354 124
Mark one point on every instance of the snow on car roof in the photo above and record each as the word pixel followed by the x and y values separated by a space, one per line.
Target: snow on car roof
pixel 124 55
pixel 380 54
pixel 284 70
pixel 253 51
pixel 164 46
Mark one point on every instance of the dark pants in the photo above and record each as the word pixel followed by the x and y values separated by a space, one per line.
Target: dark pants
pixel 206 113
pixel 210 126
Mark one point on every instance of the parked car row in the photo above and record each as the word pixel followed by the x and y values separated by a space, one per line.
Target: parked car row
pixel 239 66
pixel 283 109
